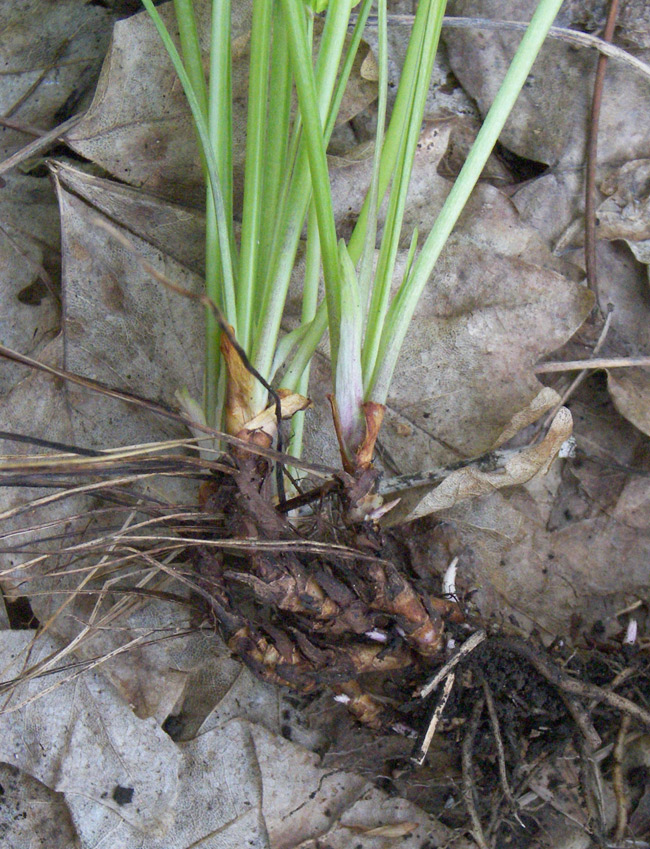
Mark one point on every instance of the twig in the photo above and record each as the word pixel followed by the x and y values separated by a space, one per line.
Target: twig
pixel 39 144
pixel 537 789
pixel 592 155
pixel 618 780
pixel 569 685
pixel 7 436
pixel 593 788
pixel 468 778
pixel 467 647
pixel 422 748
pixel 577 380
pixel 22 127
pixel 580 716
pixel 598 362
pixel 616 681
pixel 569 36
pixel 501 755
pixel 166 411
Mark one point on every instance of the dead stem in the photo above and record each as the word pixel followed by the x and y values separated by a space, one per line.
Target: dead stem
pixel 420 752
pixel 580 716
pixel 468 646
pixel 469 788
pixel 498 740
pixel 157 408
pixel 579 378
pixel 618 780
pixel 597 363
pixel 40 144
pixel 592 155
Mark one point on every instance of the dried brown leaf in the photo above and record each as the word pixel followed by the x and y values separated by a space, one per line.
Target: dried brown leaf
pixel 30 811
pixel 549 121
pixel 396 829
pixel 80 738
pixel 523 466
pixel 630 391
pixel 139 127
pixel 51 54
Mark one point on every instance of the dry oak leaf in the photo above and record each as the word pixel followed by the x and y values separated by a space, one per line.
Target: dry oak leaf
pixel 521 467
pixel 550 118
pixel 77 737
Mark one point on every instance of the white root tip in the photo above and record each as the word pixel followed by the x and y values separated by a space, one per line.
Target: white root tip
pixel 449 579
pixel 377 635
pixel 631 633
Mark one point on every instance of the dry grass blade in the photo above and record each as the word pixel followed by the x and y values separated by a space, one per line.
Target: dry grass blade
pixel 595 363
pixel 40 144
pixel 165 411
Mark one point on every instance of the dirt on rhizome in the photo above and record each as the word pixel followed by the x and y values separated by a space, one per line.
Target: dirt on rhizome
pixel 469 668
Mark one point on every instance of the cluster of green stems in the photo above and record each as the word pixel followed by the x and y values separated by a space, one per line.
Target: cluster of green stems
pixel 287 186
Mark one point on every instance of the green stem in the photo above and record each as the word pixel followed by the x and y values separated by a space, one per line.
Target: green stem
pixel 293 211
pixel 220 132
pixel 309 304
pixel 277 163
pixel 191 50
pixel 308 101
pixel 192 58
pixel 260 46
pixel 366 269
pixel 210 159
pixel 220 100
pixel 404 304
pixel 414 114
pixel 393 139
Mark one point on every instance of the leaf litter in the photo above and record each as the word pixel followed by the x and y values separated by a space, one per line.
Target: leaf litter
pixel 564 554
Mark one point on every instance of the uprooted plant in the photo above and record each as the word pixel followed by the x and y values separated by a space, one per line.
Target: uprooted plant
pixel 307 599
pixel 329 621
pixel 302 585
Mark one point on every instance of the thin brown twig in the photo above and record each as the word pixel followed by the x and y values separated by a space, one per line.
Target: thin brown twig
pixel 468 774
pixel 592 155
pixel 160 409
pixel 598 362
pixel 592 787
pixel 616 681
pixel 498 740
pixel 618 780
pixel 582 719
pixel 21 127
pixel 40 144
pixel 578 379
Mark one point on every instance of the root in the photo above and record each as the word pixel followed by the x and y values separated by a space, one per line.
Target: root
pixel 469 788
